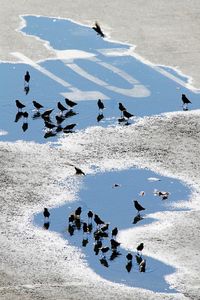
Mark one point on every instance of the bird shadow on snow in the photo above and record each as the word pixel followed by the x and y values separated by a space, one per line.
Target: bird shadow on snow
pixel 111 195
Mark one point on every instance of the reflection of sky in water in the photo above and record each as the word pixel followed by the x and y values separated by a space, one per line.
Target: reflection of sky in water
pixel 97 194
pixel 114 205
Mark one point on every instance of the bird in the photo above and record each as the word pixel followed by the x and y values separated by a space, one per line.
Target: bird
pixel 70 113
pixel 27 77
pixel 46 113
pixel 138 258
pixel 46 213
pixel 129 256
pixel 70 103
pixel 127 114
pixel 71 218
pixel 97 247
pixel 105 249
pixel 114 232
pixel 19 104
pixel 77 212
pixel 79 171
pixel 100 104
pixel 185 101
pixel 90 214
pixel 140 247
pixel 85 227
pixel 138 206
pixel 70 229
pixel 61 107
pixel 114 254
pixel 142 266
pixel 49 125
pixel 97 220
pixel 104 227
pixel 114 244
pixel 37 105
pixel 59 119
pixel 104 262
pixel 97 28
pixel 121 107
pixel 68 128
pixel 25 115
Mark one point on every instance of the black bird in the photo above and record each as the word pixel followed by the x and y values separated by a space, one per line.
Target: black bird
pixel 127 114
pixel 114 244
pixel 114 254
pixel 129 256
pixel 114 232
pixel 46 113
pixel 121 107
pixel 100 104
pixel 138 258
pixel 61 107
pixel 70 113
pixel 100 117
pixel 97 220
pixel 37 105
pixel 79 171
pixel 97 247
pixel 142 266
pixel 129 266
pixel 140 247
pixel 27 77
pixel 46 213
pixel 25 115
pixel 71 218
pixel 104 262
pixel 19 104
pixel 68 128
pixel 49 134
pixel 70 103
pixel 77 212
pixel 59 119
pixel 90 214
pixel 104 227
pixel 97 28
pixel 138 206
pixel 185 101
pixel 49 125
pixel 105 249
pixel 70 229
pixel 85 227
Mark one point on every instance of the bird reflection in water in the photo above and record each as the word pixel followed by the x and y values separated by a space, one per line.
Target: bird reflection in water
pixel 46 225
pixel 18 116
pixel 137 218
pixel 100 117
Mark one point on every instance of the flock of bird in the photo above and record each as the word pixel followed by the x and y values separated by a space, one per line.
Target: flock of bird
pixel 100 234
pixel 64 112
pixel 75 222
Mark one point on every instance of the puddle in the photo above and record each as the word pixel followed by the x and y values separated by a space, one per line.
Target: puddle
pixel 115 206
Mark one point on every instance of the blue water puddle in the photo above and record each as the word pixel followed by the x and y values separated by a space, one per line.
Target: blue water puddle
pixel 115 206
pixel 112 75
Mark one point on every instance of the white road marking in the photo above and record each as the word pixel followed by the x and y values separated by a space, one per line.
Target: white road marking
pixel 74 93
